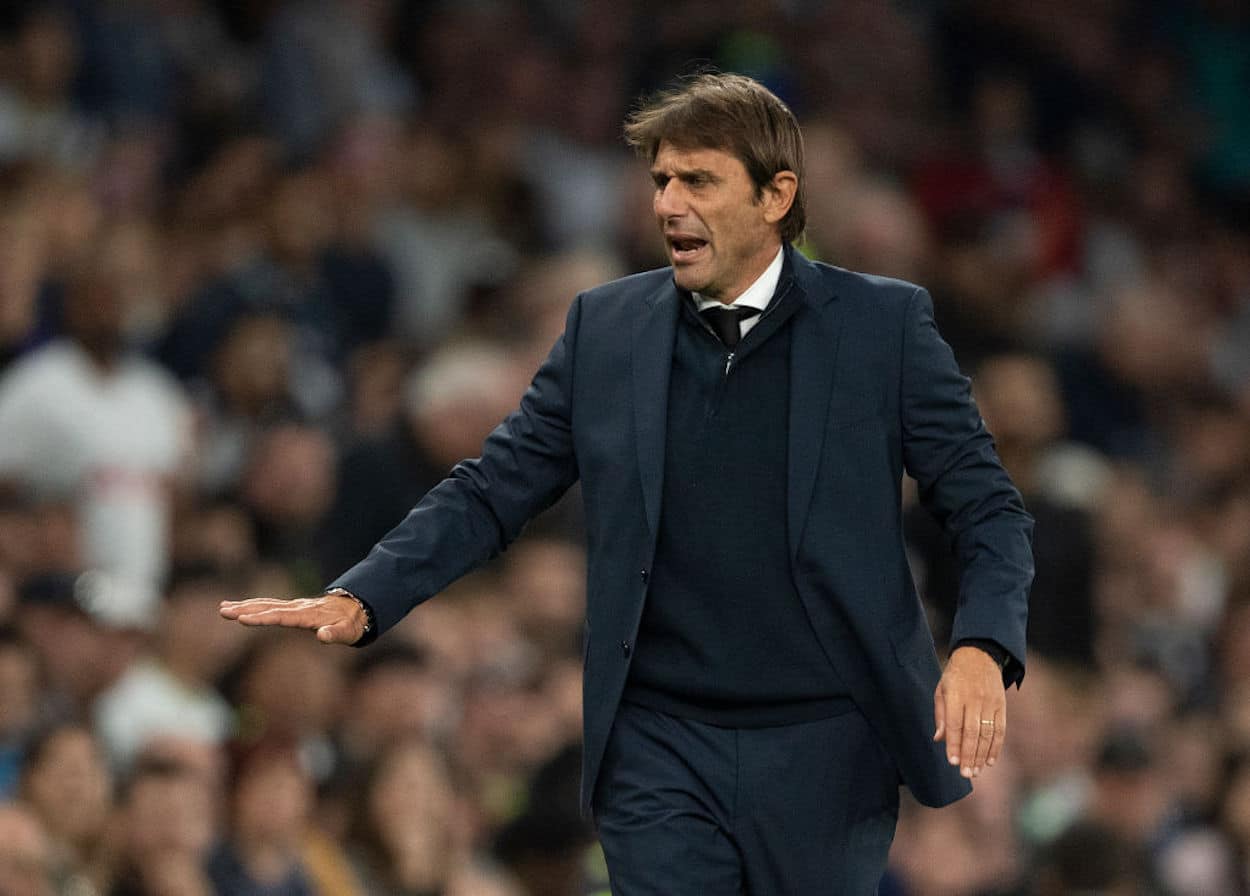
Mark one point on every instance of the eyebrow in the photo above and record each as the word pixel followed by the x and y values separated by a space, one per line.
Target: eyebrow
pixel 686 174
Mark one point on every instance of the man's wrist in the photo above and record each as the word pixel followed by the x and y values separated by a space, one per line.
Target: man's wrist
pixel 1012 668
pixel 369 630
pixel 996 651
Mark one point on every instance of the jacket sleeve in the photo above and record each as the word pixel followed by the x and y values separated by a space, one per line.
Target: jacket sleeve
pixel 526 464
pixel 949 453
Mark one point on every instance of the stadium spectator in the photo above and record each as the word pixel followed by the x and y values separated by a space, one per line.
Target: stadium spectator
pixel 406 838
pixel 395 694
pixel 287 486
pixel 250 392
pixel 67 784
pixel 84 635
pixel 269 807
pixel 38 116
pixel 334 299
pixel 171 692
pixel 102 430
pixel 25 855
pixel 20 706
pixel 168 816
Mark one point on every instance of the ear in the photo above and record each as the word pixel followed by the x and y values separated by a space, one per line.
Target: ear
pixel 779 195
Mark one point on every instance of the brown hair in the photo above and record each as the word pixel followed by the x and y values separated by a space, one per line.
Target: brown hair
pixel 733 113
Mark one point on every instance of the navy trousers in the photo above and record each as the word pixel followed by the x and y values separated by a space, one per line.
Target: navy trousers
pixel 689 809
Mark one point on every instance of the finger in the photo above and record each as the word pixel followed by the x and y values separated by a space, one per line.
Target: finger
pixel 286 617
pixel 971 735
pixel 261 602
pixel 985 737
pixel 954 730
pixel 232 608
pixel 939 714
pixel 345 631
pixel 1000 735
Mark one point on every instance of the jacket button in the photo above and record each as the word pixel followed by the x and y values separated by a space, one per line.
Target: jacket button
pixel 626 649
pixel 644 575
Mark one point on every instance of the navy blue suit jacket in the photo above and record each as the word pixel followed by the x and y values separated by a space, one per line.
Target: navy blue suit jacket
pixel 874 391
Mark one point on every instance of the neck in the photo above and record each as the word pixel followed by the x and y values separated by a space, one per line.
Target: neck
pixel 760 264
pixel 103 356
pixel 267 862
pixel 418 873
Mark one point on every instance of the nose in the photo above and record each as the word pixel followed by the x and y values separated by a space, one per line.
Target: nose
pixel 669 201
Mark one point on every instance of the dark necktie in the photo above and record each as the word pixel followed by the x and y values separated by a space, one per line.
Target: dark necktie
pixel 726 322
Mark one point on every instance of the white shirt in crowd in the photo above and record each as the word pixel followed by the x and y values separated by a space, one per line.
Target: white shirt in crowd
pixel 108 443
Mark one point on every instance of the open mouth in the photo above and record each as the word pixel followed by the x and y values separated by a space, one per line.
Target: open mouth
pixel 685 248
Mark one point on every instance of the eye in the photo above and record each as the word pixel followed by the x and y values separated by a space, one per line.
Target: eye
pixel 661 181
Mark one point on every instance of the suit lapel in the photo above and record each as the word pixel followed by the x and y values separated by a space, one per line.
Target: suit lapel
pixel 651 357
pixel 813 358
pixel 816 329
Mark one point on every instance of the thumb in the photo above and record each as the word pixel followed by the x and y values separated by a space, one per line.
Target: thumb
pixel 337 633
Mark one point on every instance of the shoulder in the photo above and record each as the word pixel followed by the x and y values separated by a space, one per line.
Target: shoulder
pixel 878 310
pixel 147 378
pixel 884 292
pixel 610 309
pixel 628 289
pixel 52 367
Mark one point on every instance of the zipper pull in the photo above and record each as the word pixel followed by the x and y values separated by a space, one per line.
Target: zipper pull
pixel 729 359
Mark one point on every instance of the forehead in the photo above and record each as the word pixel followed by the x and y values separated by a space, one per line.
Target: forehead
pixel 671 157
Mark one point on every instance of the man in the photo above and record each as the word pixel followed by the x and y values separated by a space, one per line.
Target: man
pixel 94 426
pixel 25 853
pixel 758 673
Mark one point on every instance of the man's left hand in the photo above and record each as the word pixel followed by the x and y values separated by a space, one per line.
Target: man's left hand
pixel 970 708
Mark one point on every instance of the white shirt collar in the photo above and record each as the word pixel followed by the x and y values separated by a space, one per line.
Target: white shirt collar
pixel 757 295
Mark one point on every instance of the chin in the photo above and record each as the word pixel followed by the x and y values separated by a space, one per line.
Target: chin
pixel 689 280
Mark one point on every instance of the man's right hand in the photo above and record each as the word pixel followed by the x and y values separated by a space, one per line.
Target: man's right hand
pixel 336 618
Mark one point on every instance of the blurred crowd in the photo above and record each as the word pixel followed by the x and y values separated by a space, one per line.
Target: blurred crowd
pixel 269 269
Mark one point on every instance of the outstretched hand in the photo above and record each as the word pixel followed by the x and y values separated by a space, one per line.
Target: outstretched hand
pixel 336 618
pixel 970 709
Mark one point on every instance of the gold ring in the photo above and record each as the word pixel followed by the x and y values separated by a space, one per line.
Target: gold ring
pixel 987 721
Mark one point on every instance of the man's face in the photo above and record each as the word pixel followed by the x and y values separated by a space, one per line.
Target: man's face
pixel 719 234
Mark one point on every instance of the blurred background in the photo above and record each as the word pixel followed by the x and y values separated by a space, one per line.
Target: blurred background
pixel 268 269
